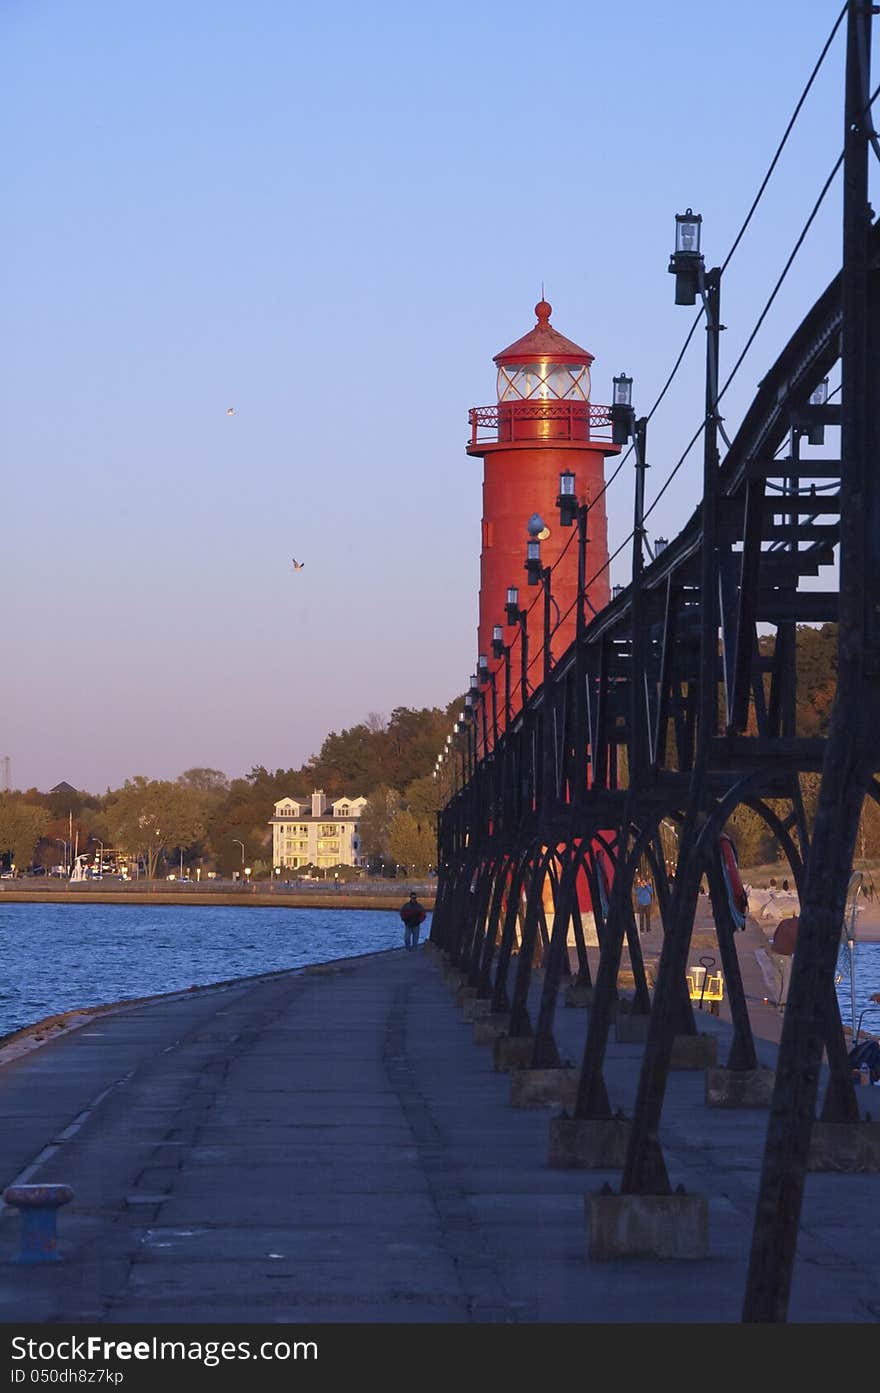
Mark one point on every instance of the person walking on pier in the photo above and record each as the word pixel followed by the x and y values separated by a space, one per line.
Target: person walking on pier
pixel 644 896
pixel 413 915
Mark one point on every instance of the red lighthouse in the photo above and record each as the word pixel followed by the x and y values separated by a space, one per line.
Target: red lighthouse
pixel 542 426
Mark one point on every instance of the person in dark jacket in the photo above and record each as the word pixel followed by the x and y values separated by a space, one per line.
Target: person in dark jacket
pixel 781 953
pixel 413 915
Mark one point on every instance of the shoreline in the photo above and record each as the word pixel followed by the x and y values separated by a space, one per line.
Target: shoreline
pixel 241 899
pixel 30 1037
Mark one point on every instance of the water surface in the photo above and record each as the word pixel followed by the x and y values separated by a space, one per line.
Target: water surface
pixel 58 957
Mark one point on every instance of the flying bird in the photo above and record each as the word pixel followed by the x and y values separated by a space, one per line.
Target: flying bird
pixel 230 411
pixel 298 565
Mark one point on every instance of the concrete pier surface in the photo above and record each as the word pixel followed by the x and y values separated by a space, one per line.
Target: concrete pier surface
pixel 329 1145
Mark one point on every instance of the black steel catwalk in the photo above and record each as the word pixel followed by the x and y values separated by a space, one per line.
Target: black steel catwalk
pixel 667 712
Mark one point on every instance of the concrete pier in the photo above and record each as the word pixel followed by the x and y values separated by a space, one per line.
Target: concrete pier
pixel 332 1146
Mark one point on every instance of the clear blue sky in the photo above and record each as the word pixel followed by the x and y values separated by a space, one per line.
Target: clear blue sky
pixel 330 218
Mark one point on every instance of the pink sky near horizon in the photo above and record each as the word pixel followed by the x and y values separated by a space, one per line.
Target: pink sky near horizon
pixel 330 221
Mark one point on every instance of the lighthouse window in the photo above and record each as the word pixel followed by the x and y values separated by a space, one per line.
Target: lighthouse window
pixel 544 382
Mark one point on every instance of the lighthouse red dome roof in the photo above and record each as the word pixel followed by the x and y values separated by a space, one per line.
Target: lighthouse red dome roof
pixel 543 341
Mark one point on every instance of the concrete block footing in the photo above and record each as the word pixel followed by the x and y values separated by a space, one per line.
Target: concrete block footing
pixel 845 1146
pixel 488 1028
pixel 646 1226
pixel 455 978
pixel 631 1029
pixel 694 1052
pixel 585 1144
pixel 475 1008
pixel 544 1088
pixel 739 1088
pixel 512 1052
pixel 578 994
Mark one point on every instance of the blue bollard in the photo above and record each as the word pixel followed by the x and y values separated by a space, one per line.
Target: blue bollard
pixel 39 1205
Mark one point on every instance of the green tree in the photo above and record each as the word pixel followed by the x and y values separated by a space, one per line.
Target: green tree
pixel 411 845
pixel 349 762
pixel 148 817
pixel 424 799
pixel 22 824
pixel 210 781
pixel 375 824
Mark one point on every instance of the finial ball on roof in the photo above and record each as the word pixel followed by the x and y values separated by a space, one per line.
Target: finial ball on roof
pixel 543 310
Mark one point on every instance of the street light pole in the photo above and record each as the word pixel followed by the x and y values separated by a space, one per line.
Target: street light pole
pixel 488 675
pixel 241 844
pixel 539 574
pixel 571 510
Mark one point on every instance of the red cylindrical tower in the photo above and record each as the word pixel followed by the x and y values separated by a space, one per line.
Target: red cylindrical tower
pixel 543 424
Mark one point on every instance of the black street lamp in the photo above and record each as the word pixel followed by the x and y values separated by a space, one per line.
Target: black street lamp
pixel 478 694
pixel 566 501
pixel 462 730
pixel 691 279
pixel 500 649
pixel 534 528
pixel 638 743
pixel 515 615
pixel 487 676
pixel 469 727
pixel 622 414
pixel 571 510
pixel 539 574
pixel 686 261
pixel 511 604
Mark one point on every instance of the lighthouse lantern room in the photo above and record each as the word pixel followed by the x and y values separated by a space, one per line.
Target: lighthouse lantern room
pixel 542 426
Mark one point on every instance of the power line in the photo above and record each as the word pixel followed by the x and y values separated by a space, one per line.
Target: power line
pixel 738 238
pixel 788 130
pixel 785 270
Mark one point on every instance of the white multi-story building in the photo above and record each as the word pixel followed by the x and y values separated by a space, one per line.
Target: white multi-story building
pixel 317 833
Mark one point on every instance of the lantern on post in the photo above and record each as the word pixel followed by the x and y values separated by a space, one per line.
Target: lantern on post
pixel 535 529
pixel 622 415
pixel 566 500
pixel 685 261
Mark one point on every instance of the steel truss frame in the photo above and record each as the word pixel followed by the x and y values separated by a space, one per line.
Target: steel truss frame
pixel 667 707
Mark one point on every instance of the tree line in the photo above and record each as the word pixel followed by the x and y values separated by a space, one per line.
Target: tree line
pixel 204 820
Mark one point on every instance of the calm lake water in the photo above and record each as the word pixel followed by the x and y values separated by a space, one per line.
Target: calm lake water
pixel 866 963
pixel 57 957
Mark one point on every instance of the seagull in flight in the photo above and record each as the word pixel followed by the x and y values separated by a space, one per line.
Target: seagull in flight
pixel 230 411
pixel 298 565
